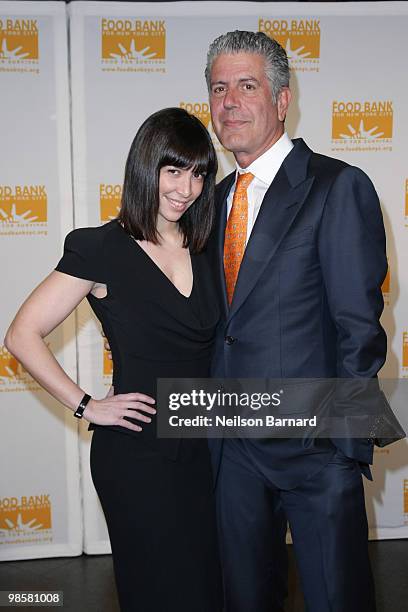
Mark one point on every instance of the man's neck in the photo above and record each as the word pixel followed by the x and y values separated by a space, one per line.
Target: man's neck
pixel 244 159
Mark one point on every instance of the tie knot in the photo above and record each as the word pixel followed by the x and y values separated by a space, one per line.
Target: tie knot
pixel 243 181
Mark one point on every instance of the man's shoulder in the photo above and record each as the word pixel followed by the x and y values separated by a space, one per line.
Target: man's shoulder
pixel 330 168
pixel 302 156
pixel 327 162
pixel 223 184
pixel 325 165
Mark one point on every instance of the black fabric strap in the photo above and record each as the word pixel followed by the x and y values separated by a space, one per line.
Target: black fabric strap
pixel 82 405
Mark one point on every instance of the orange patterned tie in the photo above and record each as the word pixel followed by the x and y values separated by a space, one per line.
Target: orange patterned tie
pixel 235 233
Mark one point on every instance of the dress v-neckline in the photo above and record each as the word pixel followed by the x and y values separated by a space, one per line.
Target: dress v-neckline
pixel 158 268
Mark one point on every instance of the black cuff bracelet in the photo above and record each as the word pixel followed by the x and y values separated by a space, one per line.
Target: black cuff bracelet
pixel 82 405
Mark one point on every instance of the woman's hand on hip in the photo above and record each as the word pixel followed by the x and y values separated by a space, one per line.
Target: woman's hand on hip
pixel 113 410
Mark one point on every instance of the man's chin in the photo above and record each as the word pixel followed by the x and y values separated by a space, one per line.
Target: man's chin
pixel 235 143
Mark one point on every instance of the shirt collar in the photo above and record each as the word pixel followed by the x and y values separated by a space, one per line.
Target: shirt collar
pixel 266 166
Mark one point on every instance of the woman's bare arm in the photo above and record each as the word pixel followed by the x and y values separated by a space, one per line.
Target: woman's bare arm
pixel 47 306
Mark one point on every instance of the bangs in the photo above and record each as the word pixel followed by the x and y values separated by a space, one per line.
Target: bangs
pixel 194 152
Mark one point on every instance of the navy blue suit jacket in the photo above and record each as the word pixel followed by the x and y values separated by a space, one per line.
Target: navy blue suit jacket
pixel 308 297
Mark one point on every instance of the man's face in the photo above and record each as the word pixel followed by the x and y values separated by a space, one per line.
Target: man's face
pixel 245 119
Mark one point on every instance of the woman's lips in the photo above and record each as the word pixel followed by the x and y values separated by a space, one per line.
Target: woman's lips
pixel 179 206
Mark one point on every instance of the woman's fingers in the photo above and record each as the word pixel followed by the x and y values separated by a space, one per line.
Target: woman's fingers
pixel 144 407
pixel 134 414
pixel 127 425
pixel 140 397
pixel 136 406
pixel 136 401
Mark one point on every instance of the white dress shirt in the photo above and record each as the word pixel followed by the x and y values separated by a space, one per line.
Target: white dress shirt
pixel 264 169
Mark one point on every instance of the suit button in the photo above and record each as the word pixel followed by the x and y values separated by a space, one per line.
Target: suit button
pixel 229 339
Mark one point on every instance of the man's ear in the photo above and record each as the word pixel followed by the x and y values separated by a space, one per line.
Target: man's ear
pixel 284 98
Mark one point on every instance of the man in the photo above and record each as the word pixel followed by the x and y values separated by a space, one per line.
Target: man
pixel 299 250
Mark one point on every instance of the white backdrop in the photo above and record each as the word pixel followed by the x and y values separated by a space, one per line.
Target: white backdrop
pixel 40 508
pixel 128 60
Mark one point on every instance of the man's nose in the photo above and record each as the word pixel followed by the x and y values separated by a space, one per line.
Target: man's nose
pixel 231 98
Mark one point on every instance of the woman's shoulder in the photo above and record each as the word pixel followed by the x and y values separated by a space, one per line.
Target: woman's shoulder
pixel 84 250
pixel 91 236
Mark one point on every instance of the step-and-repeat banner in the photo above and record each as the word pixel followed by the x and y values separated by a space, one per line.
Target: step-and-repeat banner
pixel 40 495
pixel 127 61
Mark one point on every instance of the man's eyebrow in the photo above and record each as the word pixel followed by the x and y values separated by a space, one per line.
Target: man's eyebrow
pixel 241 80
pixel 247 79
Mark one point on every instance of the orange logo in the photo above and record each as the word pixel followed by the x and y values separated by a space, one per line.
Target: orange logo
pixel 362 126
pixel 133 45
pixel 299 37
pixel 107 364
pixel 13 377
pixel 19 45
pixel 23 209
pixel 25 519
pixel 9 366
pixel 405 484
pixel 405 349
pixel 201 110
pixel 109 201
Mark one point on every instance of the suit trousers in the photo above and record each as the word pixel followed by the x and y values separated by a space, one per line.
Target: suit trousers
pixel 328 523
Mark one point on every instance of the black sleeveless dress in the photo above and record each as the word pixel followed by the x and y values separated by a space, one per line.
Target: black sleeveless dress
pixel 156 494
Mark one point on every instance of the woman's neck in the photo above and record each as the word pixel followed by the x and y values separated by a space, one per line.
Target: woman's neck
pixel 170 234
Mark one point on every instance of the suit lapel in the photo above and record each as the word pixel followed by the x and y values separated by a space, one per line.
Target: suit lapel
pixel 281 204
pixel 221 221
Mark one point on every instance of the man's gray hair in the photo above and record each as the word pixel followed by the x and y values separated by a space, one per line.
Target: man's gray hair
pixel 239 41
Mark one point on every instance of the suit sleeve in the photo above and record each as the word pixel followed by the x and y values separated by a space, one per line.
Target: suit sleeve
pixel 353 260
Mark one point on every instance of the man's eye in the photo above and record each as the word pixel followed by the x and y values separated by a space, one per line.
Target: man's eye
pixel 249 86
pixel 218 90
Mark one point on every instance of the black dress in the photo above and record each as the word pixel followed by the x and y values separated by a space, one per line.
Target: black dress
pixel 156 494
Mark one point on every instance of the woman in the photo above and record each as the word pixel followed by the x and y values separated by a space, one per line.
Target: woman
pixel 146 279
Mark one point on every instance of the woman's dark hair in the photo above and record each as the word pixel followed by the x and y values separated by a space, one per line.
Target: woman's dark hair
pixel 170 137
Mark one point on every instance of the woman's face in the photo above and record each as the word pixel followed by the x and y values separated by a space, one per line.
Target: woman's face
pixel 178 189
